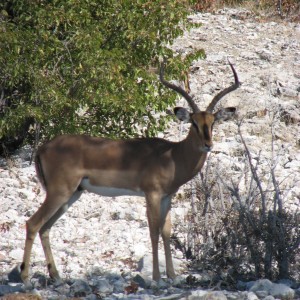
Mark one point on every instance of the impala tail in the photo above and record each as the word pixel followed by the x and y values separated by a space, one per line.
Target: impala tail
pixel 39 170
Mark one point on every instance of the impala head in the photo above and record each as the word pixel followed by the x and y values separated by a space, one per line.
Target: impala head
pixel 202 121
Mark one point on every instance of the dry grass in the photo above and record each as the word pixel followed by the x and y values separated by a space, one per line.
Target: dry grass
pixel 284 9
pixel 21 297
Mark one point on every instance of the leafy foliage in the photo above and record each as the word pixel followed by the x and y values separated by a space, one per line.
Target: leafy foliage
pixel 78 66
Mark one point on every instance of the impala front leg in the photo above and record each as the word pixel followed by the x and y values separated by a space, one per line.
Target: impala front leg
pixel 166 234
pixel 153 214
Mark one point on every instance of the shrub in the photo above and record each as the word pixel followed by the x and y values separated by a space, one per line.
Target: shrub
pixel 240 225
pixel 86 66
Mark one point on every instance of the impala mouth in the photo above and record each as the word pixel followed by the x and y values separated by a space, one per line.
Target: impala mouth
pixel 206 148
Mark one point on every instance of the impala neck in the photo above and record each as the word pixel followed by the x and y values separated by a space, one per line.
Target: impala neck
pixel 192 157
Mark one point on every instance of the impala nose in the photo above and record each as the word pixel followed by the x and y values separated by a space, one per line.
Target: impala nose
pixel 207 147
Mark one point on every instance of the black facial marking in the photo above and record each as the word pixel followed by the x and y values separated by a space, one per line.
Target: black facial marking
pixel 195 125
pixel 206 132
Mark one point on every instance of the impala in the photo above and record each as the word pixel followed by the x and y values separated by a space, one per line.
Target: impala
pixel 151 167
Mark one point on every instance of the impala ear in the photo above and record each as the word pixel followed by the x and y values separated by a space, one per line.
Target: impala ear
pixel 182 114
pixel 225 113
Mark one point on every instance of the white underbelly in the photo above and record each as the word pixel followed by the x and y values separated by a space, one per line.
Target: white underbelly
pixel 108 191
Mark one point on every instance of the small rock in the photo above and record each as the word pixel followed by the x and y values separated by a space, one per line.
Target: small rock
pixel 17 254
pixel 80 288
pixel 91 297
pixel 7 289
pixel 172 297
pixel 265 55
pixel 269 298
pixel 11 215
pixel 162 284
pixel 145 264
pixel 265 287
pixel 140 249
pixel 119 285
pixel 262 294
pixel 215 58
pixel 282 291
pixel 262 285
pixel 242 285
pixel 291 283
pixel 198 294
pixel 179 280
pixel 251 296
pixel 142 281
pixel 63 289
pixel 103 287
pixel 39 280
pixel 207 295
pixel 288 92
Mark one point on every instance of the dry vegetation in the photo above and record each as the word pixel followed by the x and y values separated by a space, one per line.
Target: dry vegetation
pixel 285 9
pixel 242 227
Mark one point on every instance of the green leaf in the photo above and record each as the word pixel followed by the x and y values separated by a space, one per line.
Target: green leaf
pixel 59 56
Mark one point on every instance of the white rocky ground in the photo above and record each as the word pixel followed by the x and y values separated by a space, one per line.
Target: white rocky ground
pixel 100 241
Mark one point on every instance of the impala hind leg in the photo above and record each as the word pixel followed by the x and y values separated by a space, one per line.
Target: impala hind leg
pixel 165 227
pixel 46 211
pixel 153 214
pixel 44 236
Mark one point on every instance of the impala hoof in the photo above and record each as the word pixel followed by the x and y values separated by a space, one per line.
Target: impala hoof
pixel 171 275
pixel 58 282
pixel 15 275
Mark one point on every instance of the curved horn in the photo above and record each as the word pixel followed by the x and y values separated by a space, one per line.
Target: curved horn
pixel 178 89
pixel 220 95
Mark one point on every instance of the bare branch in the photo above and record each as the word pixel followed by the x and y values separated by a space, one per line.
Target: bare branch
pixel 254 172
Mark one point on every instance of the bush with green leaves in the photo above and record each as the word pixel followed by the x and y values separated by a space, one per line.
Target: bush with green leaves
pixel 78 66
